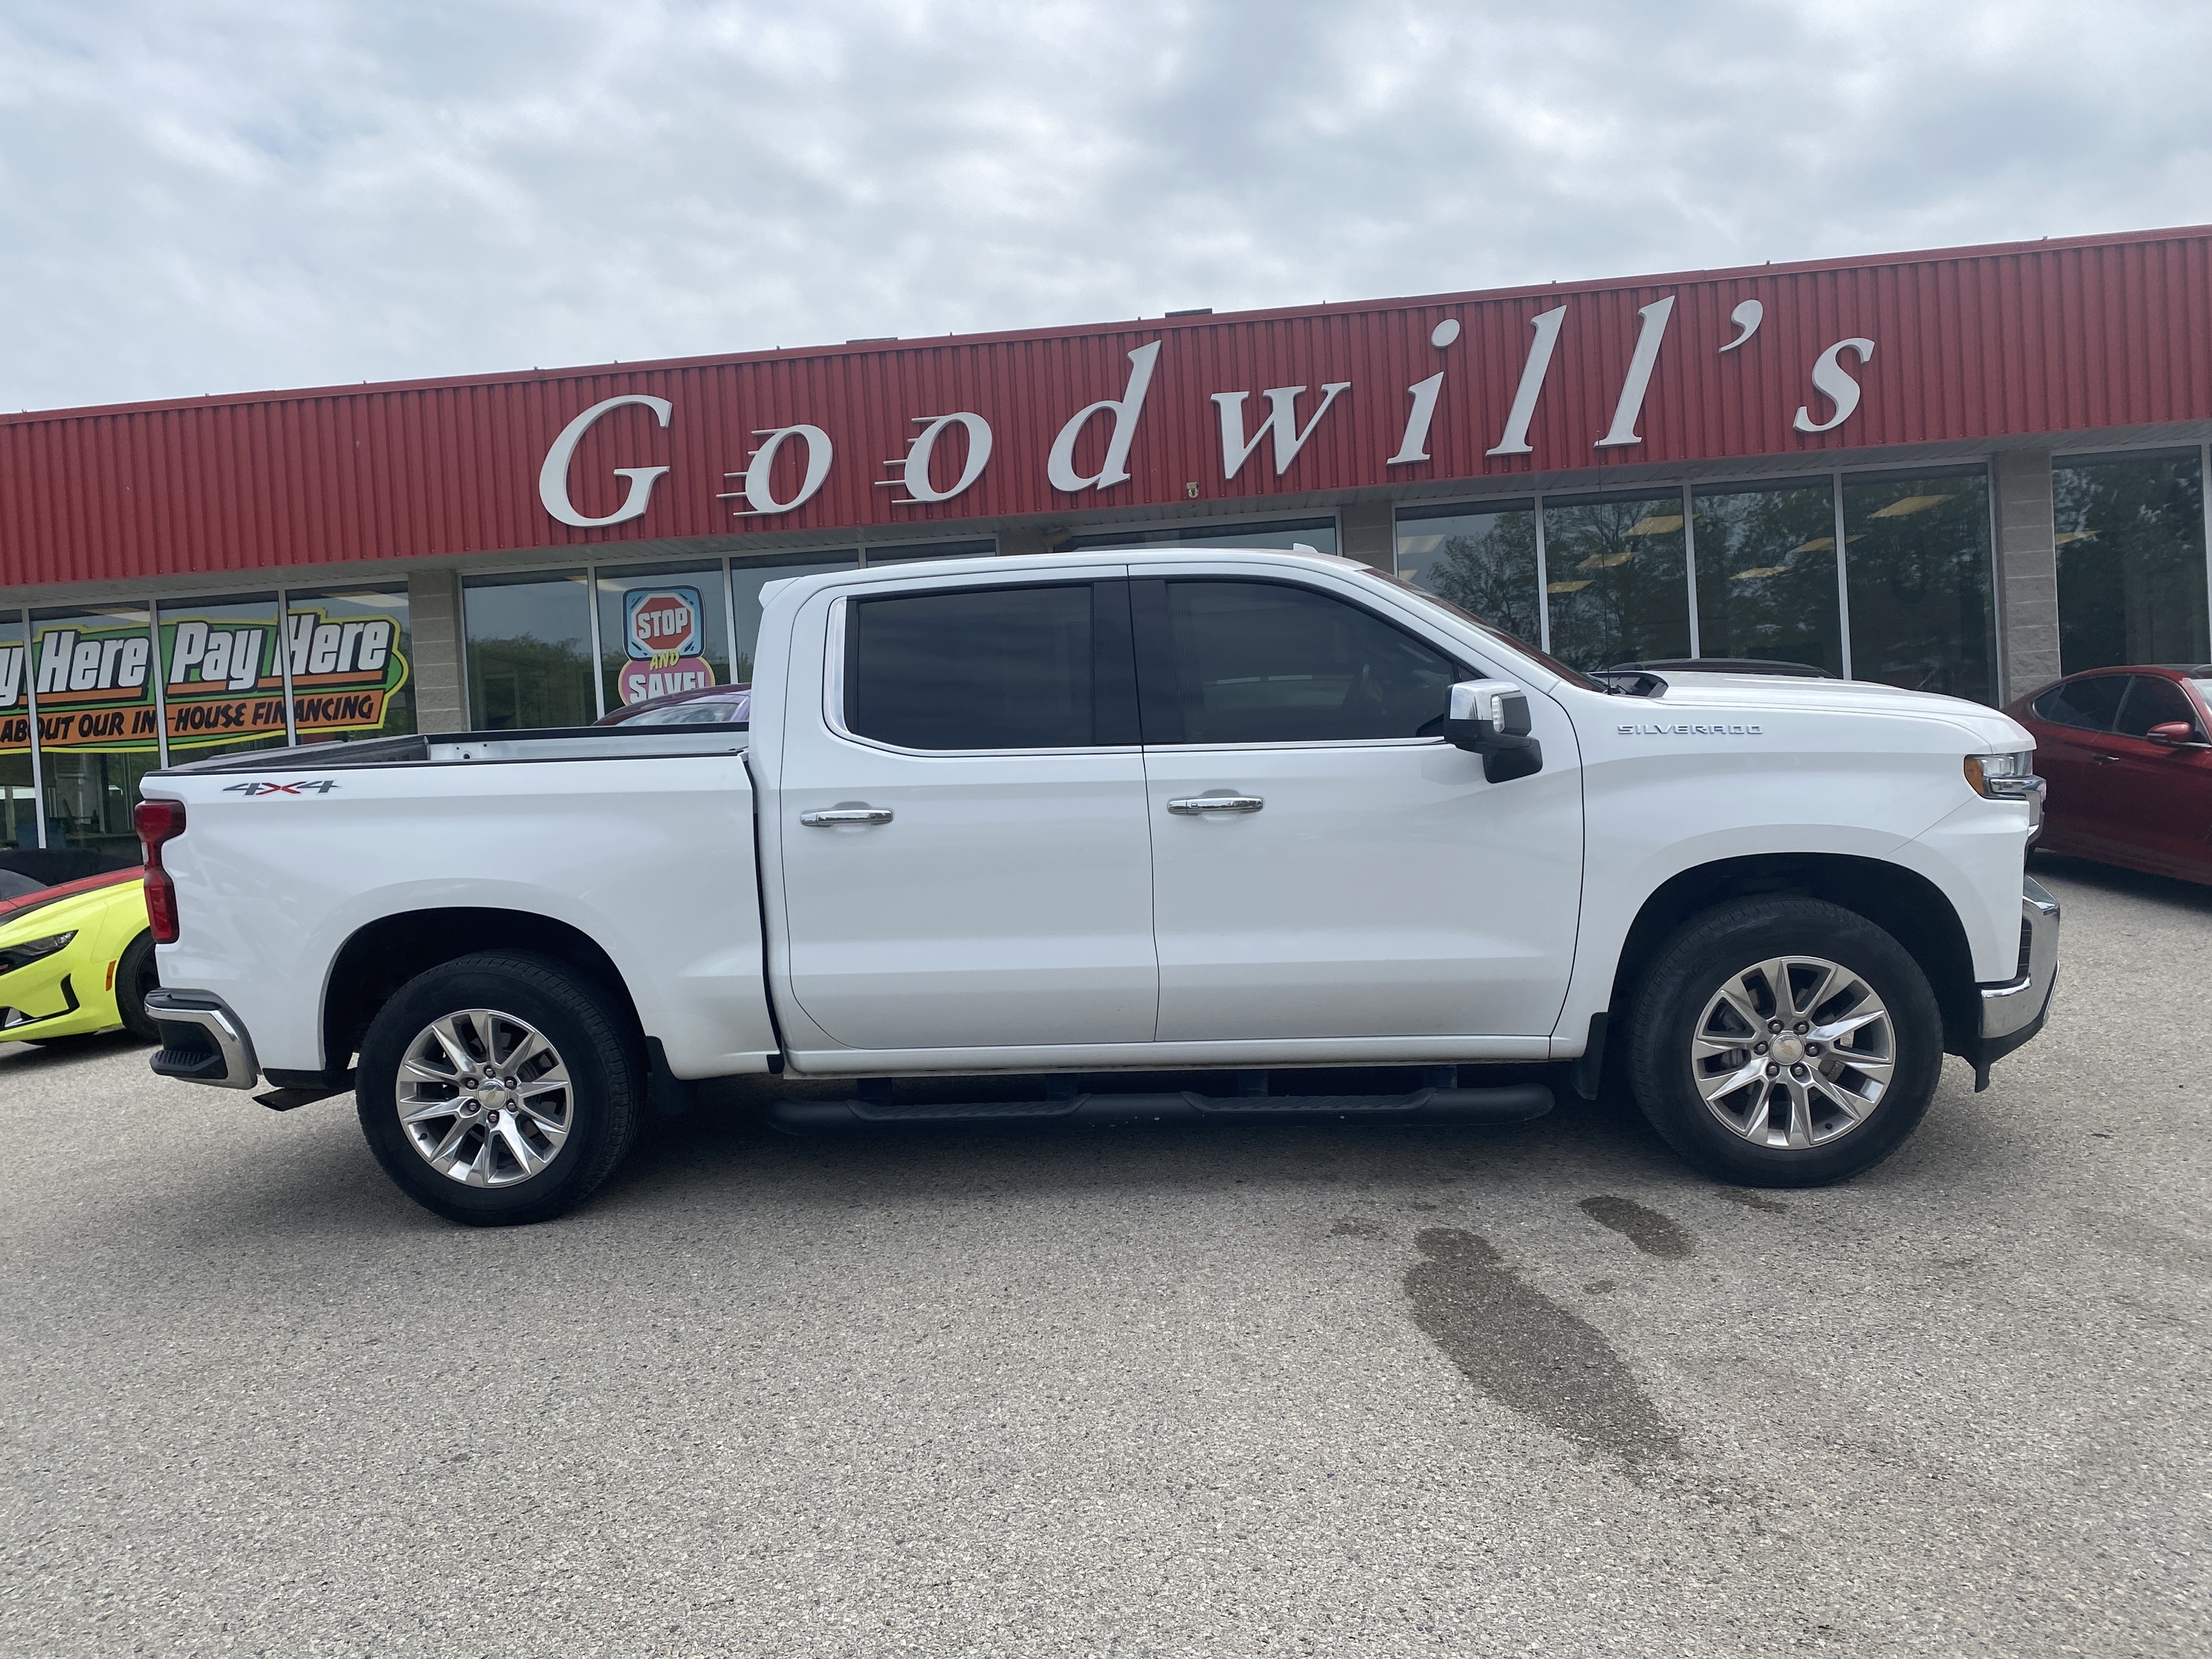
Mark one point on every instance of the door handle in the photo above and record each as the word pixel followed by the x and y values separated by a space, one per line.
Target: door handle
pixel 2108 760
pixel 1194 806
pixel 837 815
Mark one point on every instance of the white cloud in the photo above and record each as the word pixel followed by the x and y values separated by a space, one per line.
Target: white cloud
pixel 217 195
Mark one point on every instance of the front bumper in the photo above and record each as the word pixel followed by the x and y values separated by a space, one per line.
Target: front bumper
pixel 2014 1011
pixel 202 1040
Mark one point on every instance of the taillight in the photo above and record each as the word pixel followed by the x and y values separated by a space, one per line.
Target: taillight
pixel 159 821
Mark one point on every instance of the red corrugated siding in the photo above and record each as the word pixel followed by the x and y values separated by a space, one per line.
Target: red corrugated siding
pixel 1970 344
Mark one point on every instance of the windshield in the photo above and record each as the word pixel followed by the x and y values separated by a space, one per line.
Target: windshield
pixel 2203 691
pixel 1574 677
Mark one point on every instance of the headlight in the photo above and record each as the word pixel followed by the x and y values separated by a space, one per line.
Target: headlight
pixel 24 955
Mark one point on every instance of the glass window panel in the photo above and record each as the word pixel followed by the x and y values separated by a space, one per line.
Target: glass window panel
pixel 749 576
pixel 1263 662
pixel 98 735
pixel 1616 579
pixel 2090 704
pixel 19 800
pixel 2130 559
pixel 1319 534
pixel 223 683
pixel 1482 559
pixel 1916 550
pixel 1766 573
pixel 662 629
pixel 353 663
pixel 976 668
pixel 530 651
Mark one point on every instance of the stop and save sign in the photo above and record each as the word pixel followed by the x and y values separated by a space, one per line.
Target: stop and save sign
pixel 664 634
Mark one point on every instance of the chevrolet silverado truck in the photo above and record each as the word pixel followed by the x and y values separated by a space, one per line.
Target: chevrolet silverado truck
pixel 1172 833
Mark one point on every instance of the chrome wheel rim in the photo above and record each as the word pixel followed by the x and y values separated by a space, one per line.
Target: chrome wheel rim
pixel 485 1098
pixel 1793 1052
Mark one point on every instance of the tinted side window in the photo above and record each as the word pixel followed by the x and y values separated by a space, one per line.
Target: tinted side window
pixel 2151 701
pixel 1263 662
pixel 977 668
pixel 2088 703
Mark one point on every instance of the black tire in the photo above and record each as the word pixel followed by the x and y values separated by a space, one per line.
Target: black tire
pixel 603 1102
pixel 1689 972
pixel 135 975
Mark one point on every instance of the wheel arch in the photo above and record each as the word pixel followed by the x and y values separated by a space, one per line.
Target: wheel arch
pixel 1904 903
pixel 382 956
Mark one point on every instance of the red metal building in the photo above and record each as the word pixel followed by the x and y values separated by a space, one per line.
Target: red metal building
pixel 1960 468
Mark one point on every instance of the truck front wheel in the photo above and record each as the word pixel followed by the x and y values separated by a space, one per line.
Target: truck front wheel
pixel 495 1090
pixel 1785 1042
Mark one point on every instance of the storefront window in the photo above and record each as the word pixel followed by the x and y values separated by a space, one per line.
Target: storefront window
pixel 353 664
pixel 97 733
pixel 530 650
pixel 1319 534
pixel 223 683
pixel 2130 559
pixel 1616 579
pixel 1482 558
pixel 1918 556
pixel 661 629
pixel 749 576
pixel 907 552
pixel 1766 573
pixel 19 800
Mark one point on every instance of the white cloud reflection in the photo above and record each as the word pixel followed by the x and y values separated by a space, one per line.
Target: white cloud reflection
pixel 218 195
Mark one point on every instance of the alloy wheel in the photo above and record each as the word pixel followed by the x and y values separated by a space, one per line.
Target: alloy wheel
pixel 1793 1052
pixel 484 1097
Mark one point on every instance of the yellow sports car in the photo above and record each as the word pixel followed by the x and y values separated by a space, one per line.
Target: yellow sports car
pixel 75 957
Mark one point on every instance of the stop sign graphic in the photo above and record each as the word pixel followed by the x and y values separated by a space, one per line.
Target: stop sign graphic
pixel 664 623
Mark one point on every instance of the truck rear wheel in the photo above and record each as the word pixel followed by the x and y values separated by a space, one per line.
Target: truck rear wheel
pixel 1785 1042
pixel 494 1090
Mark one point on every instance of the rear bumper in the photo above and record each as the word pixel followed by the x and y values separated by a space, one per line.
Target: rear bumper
pixel 2014 1011
pixel 202 1040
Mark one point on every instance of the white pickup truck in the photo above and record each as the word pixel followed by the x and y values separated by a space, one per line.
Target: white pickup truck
pixel 1164 834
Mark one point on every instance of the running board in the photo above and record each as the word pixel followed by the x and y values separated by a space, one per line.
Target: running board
pixel 1516 1104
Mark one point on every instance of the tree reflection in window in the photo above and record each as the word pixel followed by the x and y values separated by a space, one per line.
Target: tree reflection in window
pixel 1918 556
pixel 2131 578
pixel 1615 579
pixel 1481 559
pixel 1766 573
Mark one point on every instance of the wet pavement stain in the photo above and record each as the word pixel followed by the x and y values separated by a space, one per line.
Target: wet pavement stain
pixel 1752 1200
pixel 1528 1353
pixel 1649 1231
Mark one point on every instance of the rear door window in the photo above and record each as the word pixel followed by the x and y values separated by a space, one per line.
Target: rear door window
pixel 2088 704
pixel 1036 667
pixel 1243 662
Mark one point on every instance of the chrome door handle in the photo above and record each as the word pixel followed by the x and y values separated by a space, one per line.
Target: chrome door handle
pixel 2107 760
pixel 837 815
pixel 1191 805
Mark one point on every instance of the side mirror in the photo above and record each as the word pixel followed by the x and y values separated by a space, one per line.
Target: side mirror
pixel 2175 734
pixel 1490 718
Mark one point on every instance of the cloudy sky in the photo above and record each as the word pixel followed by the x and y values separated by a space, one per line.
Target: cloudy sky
pixel 202 196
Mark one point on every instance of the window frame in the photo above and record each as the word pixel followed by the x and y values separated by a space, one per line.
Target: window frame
pixel 1155 645
pixel 1111 649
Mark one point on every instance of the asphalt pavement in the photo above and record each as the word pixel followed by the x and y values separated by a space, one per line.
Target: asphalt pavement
pixel 1212 1391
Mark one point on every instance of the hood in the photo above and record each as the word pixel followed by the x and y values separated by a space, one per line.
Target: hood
pixel 1739 694
pixel 56 908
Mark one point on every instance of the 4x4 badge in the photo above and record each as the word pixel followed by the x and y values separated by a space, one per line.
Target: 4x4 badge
pixel 313 785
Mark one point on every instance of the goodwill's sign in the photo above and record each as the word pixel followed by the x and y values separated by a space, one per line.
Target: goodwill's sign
pixel 949 454
pixel 221 680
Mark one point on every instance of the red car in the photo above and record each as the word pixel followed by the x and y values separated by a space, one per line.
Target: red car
pixel 2127 753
